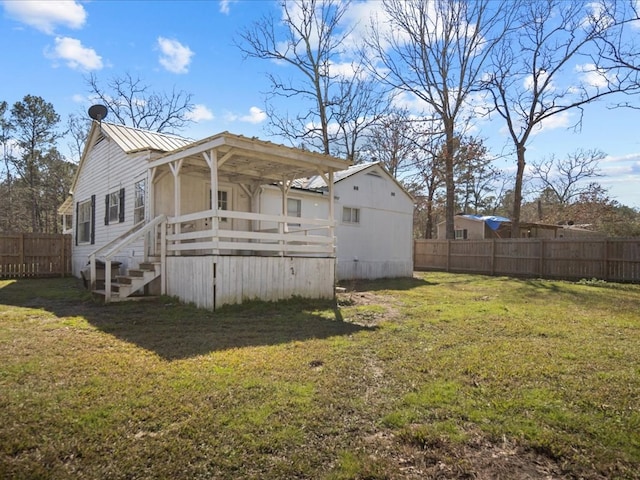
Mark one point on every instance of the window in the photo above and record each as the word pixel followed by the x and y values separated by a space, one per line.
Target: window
pixel 461 234
pixel 223 202
pixel 294 209
pixel 138 207
pixel 114 207
pixel 84 218
pixel 350 215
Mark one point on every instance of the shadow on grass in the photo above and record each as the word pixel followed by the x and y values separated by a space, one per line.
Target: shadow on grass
pixel 405 283
pixel 176 331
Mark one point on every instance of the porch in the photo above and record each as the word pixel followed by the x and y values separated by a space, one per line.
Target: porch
pixel 237 248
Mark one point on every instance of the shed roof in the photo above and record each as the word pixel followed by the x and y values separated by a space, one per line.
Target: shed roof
pixel 317 182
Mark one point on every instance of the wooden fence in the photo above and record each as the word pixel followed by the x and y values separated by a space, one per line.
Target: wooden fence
pixel 615 260
pixel 34 255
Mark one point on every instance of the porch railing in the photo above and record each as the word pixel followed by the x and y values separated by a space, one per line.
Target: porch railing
pixel 193 233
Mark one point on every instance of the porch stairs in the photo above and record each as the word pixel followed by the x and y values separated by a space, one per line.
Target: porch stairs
pixel 131 286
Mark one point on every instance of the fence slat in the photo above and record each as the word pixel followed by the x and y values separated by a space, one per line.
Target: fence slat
pixel 34 255
pixel 616 260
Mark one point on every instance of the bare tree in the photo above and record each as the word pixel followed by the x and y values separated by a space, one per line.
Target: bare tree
pixel 436 50
pixel 394 142
pixel 358 106
pixel 621 53
pixel 133 103
pixel 565 178
pixel 526 79
pixel 475 176
pixel 78 130
pixel 311 38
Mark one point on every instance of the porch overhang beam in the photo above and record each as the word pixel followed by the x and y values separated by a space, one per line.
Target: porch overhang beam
pixel 252 148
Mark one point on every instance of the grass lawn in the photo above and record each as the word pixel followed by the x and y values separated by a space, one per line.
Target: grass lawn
pixel 440 376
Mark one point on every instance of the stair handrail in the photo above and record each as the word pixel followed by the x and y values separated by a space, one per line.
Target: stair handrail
pixel 114 246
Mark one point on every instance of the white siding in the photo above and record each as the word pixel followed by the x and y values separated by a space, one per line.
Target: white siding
pixel 314 205
pixel 381 245
pixel 106 169
pixel 239 278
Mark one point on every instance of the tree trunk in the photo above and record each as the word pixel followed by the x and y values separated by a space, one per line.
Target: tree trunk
pixel 428 232
pixel 449 183
pixel 517 193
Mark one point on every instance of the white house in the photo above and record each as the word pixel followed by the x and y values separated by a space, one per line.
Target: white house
pixel 146 200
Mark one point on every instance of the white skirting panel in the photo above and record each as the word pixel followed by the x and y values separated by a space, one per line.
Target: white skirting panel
pixel 350 270
pixel 237 279
pixel 191 280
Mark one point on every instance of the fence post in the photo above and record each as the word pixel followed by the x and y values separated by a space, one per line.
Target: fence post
pixel 63 263
pixel 605 258
pixel 448 255
pixel 493 256
pixel 21 265
pixel 541 264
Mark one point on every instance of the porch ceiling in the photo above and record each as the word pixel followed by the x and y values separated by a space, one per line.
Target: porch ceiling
pixel 251 161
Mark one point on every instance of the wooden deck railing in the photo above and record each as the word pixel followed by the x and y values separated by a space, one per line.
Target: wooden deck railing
pixel 196 233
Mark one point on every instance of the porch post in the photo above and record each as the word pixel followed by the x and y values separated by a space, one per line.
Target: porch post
pixel 282 225
pixel 175 170
pixel 151 239
pixel 332 211
pixel 212 160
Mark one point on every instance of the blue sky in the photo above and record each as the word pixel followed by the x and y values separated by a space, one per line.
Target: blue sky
pixel 49 47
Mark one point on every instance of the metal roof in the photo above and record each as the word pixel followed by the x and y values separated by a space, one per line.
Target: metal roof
pixel 317 182
pixel 134 139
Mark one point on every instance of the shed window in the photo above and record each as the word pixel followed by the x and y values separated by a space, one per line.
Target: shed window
pixel 294 209
pixel 138 207
pixel 350 215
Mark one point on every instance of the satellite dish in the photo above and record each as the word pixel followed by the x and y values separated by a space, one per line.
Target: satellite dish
pixel 98 112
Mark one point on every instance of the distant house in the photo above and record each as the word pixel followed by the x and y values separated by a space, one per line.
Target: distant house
pixel 481 227
pixel 228 218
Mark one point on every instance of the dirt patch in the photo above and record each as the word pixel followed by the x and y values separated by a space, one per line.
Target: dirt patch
pixel 477 459
pixel 366 308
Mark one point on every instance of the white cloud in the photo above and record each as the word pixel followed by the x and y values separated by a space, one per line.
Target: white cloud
pixel 541 78
pixel 74 54
pixel 256 115
pixel 225 6
pixel 347 70
pixel 174 57
pixel 559 120
pixel 46 15
pixel 592 75
pixel 200 113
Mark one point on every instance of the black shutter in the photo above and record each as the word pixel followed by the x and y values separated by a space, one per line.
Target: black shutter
pixel 93 219
pixel 106 209
pixel 121 219
pixel 77 219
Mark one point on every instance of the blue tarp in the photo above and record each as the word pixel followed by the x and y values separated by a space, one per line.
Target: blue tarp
pixel 492 221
